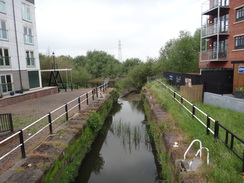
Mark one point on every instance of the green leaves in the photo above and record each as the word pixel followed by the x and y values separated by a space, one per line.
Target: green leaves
pixel 181 54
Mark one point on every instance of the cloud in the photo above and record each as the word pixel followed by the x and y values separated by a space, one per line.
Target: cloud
pixel 75 27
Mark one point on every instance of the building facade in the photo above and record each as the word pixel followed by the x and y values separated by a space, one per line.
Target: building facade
pixel 19 57
pixel 222 34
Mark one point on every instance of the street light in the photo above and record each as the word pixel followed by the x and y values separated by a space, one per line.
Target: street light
pixel 53 55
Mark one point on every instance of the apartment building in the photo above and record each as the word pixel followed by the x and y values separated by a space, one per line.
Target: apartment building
pixel 19 59
pixel 222 33
pixel 222 37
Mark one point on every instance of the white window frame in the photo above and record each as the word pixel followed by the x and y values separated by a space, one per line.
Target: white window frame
pixel 28 38
pixel 3 30
pixel 5 57
pixel 2 6
pixel 26 13
pixel 9 85
pixel 30 60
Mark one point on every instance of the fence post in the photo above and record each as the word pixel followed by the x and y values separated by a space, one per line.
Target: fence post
pixel 87 98
pixel 65 87
pixel 181 100
pixel 79 103
pixel 97 91
pixel 243 164
pixel 232 141
pixel 208 124
pixel 50 123
pixel 93 94
pixel 11 122
pixel 21 140
pixel 216 129
pixel 67 113
pixel 193 110
pixel 174 94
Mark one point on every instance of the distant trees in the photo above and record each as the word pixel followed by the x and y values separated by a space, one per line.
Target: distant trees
pixel 179 55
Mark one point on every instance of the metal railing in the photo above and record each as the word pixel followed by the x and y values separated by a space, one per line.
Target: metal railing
pixel 232 141
pixel 212 4
pixel 50 118
pixel 6 123
pixel 212 55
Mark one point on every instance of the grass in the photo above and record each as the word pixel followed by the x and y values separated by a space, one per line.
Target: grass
pixel 225 166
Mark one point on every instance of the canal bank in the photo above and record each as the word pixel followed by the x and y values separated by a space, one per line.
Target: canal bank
pixel 168 153
pixel 57 159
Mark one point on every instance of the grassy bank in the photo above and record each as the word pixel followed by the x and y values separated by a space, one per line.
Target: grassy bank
pixel 224 165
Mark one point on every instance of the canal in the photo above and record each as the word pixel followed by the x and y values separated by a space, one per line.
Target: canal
pixel 122 151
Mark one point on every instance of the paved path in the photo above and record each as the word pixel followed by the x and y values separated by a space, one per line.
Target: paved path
pixel 25 113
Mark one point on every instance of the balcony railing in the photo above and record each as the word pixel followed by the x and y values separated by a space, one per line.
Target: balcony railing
pixel 28 39
pixel 210 30
pixel 5 61
pixel 213 4
pixel 3 34
pixel 212 55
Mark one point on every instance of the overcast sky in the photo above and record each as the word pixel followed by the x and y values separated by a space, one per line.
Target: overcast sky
pixel 76 26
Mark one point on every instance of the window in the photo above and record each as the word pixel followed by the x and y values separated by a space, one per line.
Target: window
pixel 26 15
pixel 240 14
pixel 3 31
pixel 2 6
pixel 224 23
pixel 239 42
pixel 30 61
pixel 6 84
pixel 224 2
pixel 4 57
pixel 28 38
pixel 223 47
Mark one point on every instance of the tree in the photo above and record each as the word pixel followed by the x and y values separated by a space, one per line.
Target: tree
pixel 129 64
pixel 181 54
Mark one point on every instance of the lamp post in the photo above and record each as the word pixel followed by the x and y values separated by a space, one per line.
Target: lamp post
pixel 54 64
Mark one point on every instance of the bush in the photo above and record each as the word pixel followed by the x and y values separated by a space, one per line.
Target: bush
pixel 95 122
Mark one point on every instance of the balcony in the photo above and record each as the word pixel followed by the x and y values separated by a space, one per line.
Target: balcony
pixel 3 34
pixel 211 7
pixel 28 39
pixel 212 55
pixel 211 31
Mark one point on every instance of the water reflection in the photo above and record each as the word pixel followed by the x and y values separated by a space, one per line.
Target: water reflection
pixel 122 152
pixel 130 136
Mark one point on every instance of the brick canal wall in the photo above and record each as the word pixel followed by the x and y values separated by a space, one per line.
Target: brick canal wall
pixel 61 153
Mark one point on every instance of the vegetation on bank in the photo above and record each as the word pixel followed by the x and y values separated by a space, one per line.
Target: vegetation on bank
pixel 224 165
pixel 76 152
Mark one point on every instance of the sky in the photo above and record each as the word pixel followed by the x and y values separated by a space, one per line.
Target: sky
pixel 74 27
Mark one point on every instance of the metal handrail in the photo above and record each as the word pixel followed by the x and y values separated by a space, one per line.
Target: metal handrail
pixel 215 132
pixel 51 122
pixel 200 143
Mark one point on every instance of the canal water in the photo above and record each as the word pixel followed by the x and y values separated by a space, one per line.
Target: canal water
pixel 122 152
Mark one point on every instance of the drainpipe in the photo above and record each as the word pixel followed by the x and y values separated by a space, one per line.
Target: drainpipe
pixel 17 46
